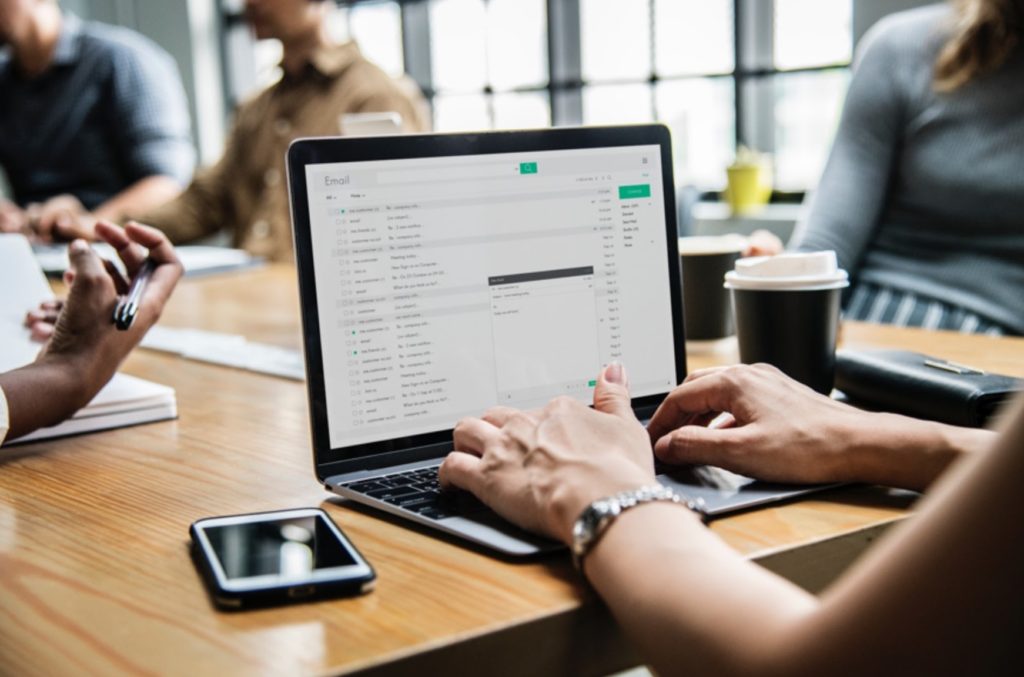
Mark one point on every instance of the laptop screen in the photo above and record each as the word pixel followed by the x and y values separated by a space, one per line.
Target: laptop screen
pixel 449 284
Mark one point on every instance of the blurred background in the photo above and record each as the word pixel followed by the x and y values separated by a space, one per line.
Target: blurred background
pixel 767 74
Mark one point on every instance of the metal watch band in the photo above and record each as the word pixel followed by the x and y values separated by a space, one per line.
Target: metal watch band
pixel 599 515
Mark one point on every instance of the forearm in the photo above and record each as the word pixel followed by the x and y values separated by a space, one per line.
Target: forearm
pixel 198 211
pixel 141 196
pixel 45 393
pixel 690 602
pixel 909 453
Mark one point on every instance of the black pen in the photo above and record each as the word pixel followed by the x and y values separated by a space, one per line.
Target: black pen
pixel 128 307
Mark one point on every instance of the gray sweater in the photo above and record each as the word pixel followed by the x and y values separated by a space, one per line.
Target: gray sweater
pixel 924 192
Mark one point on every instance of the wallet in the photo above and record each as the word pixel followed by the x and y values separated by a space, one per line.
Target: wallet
pixel 922 386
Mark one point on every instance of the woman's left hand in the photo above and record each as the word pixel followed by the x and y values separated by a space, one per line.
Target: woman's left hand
pixel 540 469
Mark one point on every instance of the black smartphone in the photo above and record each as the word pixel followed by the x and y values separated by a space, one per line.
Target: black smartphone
pixel 268 558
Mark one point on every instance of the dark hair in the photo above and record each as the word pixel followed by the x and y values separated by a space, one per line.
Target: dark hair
pixel 984 35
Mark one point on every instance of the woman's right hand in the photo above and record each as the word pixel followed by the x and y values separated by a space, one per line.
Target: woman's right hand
pixel 763 243
pixel 83 332
pixel 766 425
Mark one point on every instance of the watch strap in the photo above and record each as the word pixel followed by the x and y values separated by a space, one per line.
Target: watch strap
pixel 599 515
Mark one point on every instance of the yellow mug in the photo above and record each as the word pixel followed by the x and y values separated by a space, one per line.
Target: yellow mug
pixel 749 187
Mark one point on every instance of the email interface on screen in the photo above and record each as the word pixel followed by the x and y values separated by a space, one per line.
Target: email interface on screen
pixel 448 285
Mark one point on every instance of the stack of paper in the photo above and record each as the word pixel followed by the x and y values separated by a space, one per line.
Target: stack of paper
pixel 230 350
pixel 124 401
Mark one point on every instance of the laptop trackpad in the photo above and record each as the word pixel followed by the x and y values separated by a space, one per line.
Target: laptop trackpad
pixel 488 528
pixel 725 491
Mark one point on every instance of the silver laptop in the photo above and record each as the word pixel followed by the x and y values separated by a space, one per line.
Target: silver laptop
pixel 441 275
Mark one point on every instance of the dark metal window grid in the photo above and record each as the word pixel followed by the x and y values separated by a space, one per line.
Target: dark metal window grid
pixel 565 80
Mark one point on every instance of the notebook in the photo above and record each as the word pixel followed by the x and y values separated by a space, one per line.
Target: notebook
pixel 441 275
pixel 125 400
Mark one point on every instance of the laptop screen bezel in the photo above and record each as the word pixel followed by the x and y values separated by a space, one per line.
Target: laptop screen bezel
pixel 331 150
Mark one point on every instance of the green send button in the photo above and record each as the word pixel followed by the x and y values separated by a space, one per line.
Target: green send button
pixel 592 383
pixel 527 167
pixel 631 192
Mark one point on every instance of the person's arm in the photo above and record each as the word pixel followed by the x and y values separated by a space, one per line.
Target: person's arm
pixel 204 208
pixel 846 206
pixel 779 430
pixel 12 217
pixel 64 218
pixel 85 348
pixel 141 195
pixel 940 596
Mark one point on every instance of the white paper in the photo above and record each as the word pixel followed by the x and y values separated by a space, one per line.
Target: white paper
pixel 24 288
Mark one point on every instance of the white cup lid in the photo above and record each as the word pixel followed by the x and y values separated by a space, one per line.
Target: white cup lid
pixel 711 244
pixel 807 271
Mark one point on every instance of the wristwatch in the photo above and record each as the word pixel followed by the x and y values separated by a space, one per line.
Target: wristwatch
pixel 599 515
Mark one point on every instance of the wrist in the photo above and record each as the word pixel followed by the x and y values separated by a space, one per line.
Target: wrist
pixel 569 502
pixel 909 453
pixel 647 529
pixel 599 516
pixel 77 376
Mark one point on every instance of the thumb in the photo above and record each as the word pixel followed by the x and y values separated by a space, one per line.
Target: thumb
pixel 85 264
pixel 611 395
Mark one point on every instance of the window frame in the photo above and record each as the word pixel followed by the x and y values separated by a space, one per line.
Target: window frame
pixel 753 52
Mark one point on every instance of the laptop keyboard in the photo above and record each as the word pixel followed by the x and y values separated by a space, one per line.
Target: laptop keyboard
pixel 418 491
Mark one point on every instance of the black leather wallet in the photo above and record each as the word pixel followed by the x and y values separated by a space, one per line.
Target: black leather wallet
pixel 922 386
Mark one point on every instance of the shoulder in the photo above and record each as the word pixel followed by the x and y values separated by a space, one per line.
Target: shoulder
pixel 914 36
pixel 124 48
pixel 367 79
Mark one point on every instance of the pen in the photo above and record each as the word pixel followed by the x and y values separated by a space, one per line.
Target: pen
pixel 128 307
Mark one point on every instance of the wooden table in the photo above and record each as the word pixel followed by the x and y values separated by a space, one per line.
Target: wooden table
pixel 95 575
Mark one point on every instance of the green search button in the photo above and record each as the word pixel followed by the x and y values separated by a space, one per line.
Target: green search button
pixel 527 167
pixel 630 192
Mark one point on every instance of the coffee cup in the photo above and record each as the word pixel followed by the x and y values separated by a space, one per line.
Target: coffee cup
pixel 787 313
pixel 707 306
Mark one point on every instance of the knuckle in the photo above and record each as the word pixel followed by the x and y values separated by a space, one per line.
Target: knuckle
pixel 732 377
pixel 494 414
pixel 520 419
pixel 89 279
pixel 562 403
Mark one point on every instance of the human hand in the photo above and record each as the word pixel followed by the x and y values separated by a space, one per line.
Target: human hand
pixel 540 469
pixel 12 217
pixel 42 320
pixel 773 427
pixel 83 336
pixel 763 243
pixel 61 219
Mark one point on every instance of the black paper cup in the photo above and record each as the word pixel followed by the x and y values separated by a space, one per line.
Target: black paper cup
pixel 793 329
pixel 707 305
pixel 787 313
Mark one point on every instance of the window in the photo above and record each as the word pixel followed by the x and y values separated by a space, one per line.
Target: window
pixel 489 62
pixel 770 74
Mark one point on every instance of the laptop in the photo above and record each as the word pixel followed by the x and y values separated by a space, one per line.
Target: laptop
pixel 443 274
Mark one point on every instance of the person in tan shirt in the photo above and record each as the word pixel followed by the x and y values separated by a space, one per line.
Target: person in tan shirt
pixel 245 193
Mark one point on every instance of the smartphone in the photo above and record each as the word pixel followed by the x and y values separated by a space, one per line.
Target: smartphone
pixel 269 558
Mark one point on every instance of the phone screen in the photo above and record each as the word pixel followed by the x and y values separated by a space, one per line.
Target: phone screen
pixel 289 548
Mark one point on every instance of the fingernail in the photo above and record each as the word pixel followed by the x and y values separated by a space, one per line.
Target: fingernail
pixel 615 373
pixel 78 246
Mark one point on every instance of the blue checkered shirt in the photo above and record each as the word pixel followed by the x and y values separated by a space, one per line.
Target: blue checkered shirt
pixel 109 111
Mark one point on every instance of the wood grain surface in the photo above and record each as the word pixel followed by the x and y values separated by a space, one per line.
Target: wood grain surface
pixel 95 576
